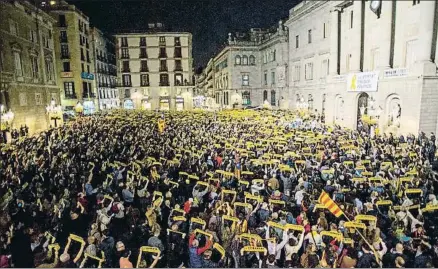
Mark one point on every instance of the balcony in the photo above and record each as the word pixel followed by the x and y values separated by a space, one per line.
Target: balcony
pixel 178 68
pixel 62 24
pixel 143 56
pixel 71 96
pixel 146 84
pixel 125 56
pixel 126 70
pixel 65 56
pixel 177 55
pixel 164 83
pixel 163 69
pixel 127 84
pixel 144 69
pixel 63 39
pixel 162 55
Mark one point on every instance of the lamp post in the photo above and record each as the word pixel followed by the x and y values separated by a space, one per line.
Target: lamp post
pixel 6 119
pixel 54 111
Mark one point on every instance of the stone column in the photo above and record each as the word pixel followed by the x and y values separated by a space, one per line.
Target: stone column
pixel 424 65
pixel 356 41
pixel 385 32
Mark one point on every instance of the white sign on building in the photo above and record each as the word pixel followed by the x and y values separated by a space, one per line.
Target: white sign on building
pixel 363 82
pixel 281 76
pixel 395 73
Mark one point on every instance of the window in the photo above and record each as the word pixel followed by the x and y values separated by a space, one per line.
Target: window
pixel 35 69
pixel 410 56
pixel 246 98
pixel 163 53
pixel 273 55
pixel 18 64
pixel 414 2
pixel 374 59
pixel 178 79
pixel 144 79
pixel 88 57
pixel 325 68
pixel 88 68
pixel 265 78
pixel 272 78
pixel 162 40
pixel 351 19
pixel 82 55
pixel 245 60
pixel 125 66
pixel 143 53
pixel 178 65
pixel 144 66
pixel 265 95
pixel 177 41
pixel 63 36
pixel 38 99
pixel 324 33
pixel 126 80
pixel 226 98
pixel 177 52
pixel 297 71
pixel 124 41
pixel 309 36
pixel 62 21
pixel 65 53
pixel 347 64
pixel 127 93
pixel 23 99
pixel 82 67
pixel 13 28
pixel 1 60
pixel 163 65
pixel 252 60
pixel 245 80
pixel 164 80
pixel 125 53
pixel 142 41
pixel 308 71
pixel 238 60
pixel 297 41
pixel 273 99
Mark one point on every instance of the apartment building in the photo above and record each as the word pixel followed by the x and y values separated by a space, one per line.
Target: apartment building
pixel 104 51
pixel 27 64
pixel 75 56
pixel 348 59
pixel 155 69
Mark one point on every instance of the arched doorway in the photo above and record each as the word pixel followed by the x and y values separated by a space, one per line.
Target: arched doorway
pixel 362 108
pixel 393 111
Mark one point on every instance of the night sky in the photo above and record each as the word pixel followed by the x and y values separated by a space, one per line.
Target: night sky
pixel 209 21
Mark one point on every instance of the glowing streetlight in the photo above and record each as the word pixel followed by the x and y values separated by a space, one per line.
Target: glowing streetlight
pixel 54 111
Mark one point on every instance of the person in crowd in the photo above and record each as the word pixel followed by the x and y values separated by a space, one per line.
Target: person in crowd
pixel 202 192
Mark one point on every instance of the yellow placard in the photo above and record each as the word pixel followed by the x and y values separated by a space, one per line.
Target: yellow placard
pixel 365 217
pixel 336 235
pixel 353 224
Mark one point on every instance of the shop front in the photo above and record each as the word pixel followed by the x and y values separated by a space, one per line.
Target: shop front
pixel 164 103
pixel 179 103
pixel 89 107
pixel 128 104
pixel 145 103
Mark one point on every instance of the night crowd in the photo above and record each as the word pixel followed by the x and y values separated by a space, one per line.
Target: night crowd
pixel 234 189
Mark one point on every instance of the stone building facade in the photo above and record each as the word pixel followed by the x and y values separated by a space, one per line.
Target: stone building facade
pixel 27 64
pixel 375 58
pixel 104 51
pixel 75 57
pixel 155 69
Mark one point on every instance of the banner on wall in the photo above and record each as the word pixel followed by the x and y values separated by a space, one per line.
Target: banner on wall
pixel 281 76
pixel 363 82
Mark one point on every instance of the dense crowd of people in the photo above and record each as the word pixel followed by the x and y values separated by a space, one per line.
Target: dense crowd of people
pixel 235 188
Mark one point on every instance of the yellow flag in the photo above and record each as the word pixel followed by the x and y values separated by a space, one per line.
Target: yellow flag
pixel 161 125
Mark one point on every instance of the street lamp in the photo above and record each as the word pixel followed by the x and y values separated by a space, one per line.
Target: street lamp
pixel 54 111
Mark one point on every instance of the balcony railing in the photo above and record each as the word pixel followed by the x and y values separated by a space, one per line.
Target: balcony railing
pixel 125 56
pixel 126 70
pixel 143 56
pixel 65 56
pixel 163 68
pixel 144 69
pixel 162 55
pixel 146 84
pixel 71 96
pixel 127 84
pixel 178 68
pixel 164 83
pixel 177 55
pixel 63 24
